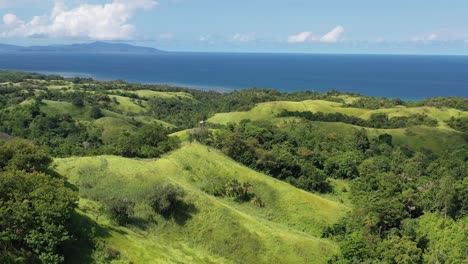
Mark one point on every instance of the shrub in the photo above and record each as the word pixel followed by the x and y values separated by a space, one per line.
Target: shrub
pixel 241 192
pixel 164 199
pixel 257 201
pixel 121 210
pixel 96 112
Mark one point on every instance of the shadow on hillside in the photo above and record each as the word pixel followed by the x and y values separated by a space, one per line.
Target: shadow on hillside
pixel 184 212
pixel 142 223
pixel 84 231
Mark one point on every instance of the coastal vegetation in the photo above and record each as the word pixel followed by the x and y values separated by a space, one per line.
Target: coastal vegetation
pixel 115 172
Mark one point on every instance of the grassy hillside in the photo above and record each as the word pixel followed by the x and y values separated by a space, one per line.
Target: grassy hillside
pixel 156 94
pixel 112 127
pixel 128 105
pixel 271 109
pixel 416 138
pixel 286 230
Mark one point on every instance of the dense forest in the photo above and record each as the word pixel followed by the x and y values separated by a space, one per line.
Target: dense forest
pixel 408 203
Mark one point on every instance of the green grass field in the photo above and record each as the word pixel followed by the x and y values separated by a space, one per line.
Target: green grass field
pixel 155 94
pixel 271 109
pixel 416 138
pixel 112 128
pixel 149 94
pixel 126 104
pixel 216 230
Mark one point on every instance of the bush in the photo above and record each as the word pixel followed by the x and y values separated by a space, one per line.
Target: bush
pixel 121 210
pixel 241 192
pixel 96 112
pixel 164 199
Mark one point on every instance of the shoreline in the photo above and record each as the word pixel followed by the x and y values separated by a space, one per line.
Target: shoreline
pixel 215 88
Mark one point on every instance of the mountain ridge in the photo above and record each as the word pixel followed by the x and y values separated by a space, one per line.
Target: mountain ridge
pixel 93 47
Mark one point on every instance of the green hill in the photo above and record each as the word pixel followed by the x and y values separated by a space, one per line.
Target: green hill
pixel 271 109
pixel 417 138
pixel 286 230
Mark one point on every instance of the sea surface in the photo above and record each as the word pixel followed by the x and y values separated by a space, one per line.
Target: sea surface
pixel 403 76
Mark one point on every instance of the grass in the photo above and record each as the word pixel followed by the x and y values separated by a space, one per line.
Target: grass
pixel 127 105
pixel 416 138
pixel 84 114
pixel 271 109
pixel 155 94
pixel 423 137
pixel 216 230
pixel 54 108
pixel 112 128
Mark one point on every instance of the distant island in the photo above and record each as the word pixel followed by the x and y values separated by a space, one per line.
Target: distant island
pixel 90 48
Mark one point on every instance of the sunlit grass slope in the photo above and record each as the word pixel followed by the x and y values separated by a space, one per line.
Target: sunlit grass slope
pixel 286 230
pixel 84 114
pixel 416 138
pixel 112 128
pixel 126 105
pixel 156 94
pixel 271 109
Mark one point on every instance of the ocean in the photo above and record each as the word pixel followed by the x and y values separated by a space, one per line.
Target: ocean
pixel 404 76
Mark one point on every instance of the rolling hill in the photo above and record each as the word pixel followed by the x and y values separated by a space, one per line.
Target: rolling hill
pixel 217 230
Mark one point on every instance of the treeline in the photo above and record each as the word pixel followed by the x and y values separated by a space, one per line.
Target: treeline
pixel 376 120
pixel 374 103
pixel 15 77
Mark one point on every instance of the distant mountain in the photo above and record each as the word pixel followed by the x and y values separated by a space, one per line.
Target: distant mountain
pixel 8 48
pixel 95 47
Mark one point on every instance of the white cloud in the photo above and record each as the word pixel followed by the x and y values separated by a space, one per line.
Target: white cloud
pixel 10 19
pixel 443 35
pixel 108 21
pixel 335 35
pixel 239 37
pixel 305 36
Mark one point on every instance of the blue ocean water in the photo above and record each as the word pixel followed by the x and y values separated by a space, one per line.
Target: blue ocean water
pixel 407 77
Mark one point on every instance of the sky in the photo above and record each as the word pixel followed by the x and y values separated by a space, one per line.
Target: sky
pixel 293 26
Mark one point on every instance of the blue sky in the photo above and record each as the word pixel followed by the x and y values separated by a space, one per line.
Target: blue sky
pixel 311 26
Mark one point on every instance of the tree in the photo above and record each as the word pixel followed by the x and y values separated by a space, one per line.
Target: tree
pixel 164 199
pixel 385 139
pixel 77 100
pixel 23 155
pixel 96 112
pixel 396 250
pixel 362 141
pixel 121 210
pixel 35 210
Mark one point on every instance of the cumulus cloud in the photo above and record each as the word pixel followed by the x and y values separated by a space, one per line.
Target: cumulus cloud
pixel 305 36
pixel 10 20
pixel 108 21
pixel 239 37
pixel 335 35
